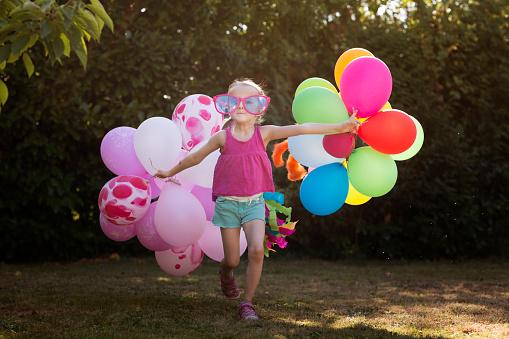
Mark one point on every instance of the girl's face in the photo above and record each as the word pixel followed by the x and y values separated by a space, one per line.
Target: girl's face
pixel 240 115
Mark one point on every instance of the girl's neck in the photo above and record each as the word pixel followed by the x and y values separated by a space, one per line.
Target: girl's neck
pixel 245 129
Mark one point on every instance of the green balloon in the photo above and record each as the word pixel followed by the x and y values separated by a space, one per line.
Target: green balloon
pixel 372 173
pixel 416 146
pixel 318 104
pixel 318 82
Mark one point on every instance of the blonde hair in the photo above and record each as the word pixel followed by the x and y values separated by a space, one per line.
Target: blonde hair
pixel 249 82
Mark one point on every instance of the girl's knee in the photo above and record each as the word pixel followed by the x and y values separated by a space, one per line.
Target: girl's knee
pixel 231 262
pixel 256 254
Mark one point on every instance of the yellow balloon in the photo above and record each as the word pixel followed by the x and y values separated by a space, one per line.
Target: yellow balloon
pixel 354 197
pixel 346 58
pixel 386 106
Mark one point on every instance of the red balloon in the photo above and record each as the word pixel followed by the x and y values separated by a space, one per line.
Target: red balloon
pixel 339 145
pixel 390 131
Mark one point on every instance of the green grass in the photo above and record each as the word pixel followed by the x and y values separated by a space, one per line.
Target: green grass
pixel 132 297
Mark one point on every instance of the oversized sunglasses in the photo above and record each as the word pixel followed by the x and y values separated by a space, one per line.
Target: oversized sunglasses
pixel 227 103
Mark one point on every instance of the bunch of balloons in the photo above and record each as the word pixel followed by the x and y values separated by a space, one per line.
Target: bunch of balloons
pixel 177 226
pixel 365 85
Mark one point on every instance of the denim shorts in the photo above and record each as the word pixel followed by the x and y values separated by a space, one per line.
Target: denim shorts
pixel 232 214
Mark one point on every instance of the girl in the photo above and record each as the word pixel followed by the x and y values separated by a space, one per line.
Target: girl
pixel 242 173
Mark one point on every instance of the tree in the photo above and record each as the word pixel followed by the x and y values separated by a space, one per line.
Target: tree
pixel 59 28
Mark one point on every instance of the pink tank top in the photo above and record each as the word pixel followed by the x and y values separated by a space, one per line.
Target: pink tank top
pixel 243 168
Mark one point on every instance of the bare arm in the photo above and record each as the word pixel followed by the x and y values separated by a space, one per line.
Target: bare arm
pixel 283 132
pixel 193 158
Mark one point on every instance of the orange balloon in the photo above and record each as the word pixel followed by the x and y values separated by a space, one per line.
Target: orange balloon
pixel 346 58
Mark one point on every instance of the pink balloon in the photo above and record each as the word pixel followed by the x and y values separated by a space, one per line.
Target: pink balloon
pixel 204 195
pixel 154 189
pixel 117 152
pixel 366 85
pixel 339 145
pixel 147 233
pixel 212 244
pixel 180 263
pixel 124 199
pixel 179 217
pixel 116 232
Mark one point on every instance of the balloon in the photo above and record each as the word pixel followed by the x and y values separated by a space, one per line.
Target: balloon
pixel 354 197
pixel 318 104
pixel 161 183
pixel 366 85
pixel 157 144
pixel 308 150
pixel 180 263
pixel 345 58
pixel 212 244
pixel 116 232
pixel 389 132
pixel 203 173
pixel 339 145
pixel 147 234
pixel 371 173
pixel 154 189
pixel 197 119
pixel 324 190
pixel 416 146
pixel 387 106
pixel 204 195
pixel 179 217
pixel 117 152
pixel 124 199
pixel 319 82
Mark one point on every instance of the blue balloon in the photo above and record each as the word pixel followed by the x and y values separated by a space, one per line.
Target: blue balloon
pixel 324 190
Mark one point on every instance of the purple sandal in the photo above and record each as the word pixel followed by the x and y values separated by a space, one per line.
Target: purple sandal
pixel 229 287
pixel 247 311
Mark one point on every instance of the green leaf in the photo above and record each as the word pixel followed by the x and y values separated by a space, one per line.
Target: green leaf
pixel 29 65
pixel 91 23
pixel 58 48
pixel 2 65
pixel 96 7
pixel 5 50
pixel 67 44
pixel 20 45
pixel 4 92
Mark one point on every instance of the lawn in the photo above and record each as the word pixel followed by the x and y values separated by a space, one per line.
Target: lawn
pixel 132 297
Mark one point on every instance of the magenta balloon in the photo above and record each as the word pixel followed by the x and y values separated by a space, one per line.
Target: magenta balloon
pixel 117 152
pixel 212 244
pixel 116 232
pixel 179 217
pixel 147 233
pixel 180 263
pixel 366 85
pixel 204 195
pixel 339 145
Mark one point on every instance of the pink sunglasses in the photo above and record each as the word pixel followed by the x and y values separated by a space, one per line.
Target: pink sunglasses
pixel 227 103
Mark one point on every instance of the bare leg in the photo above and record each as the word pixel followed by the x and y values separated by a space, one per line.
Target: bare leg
pixel 231 247
pixel 255 233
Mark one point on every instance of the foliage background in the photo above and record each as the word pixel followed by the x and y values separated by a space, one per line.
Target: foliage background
pixel 450 70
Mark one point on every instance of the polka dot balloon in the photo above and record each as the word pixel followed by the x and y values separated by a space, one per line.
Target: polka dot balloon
pixel 197 119
pixel 125 199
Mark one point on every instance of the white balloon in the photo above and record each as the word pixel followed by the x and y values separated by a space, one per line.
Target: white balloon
pixel 308 150
pixel 203 173
pixel 157 144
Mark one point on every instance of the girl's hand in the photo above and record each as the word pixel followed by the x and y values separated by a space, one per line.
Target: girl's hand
pixel 166 174
pixel 162 174
pixel 352 124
